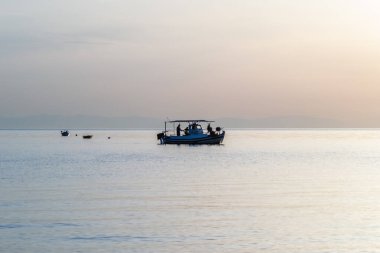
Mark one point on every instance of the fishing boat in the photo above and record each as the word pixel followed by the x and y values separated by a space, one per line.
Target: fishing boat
pixel 87 136
pixel 192 134
pixel 65 133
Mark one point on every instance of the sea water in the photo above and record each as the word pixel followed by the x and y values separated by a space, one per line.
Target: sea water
pixel 261 191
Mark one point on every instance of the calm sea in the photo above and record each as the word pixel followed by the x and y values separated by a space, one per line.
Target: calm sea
pixel 262 191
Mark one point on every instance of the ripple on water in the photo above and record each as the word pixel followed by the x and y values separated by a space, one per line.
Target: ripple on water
pixel 116 238
pixel 50 225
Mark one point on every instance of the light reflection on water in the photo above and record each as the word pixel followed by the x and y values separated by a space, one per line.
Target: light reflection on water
pixel 263 190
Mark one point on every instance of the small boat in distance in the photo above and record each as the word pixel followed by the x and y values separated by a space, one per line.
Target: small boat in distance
pixel 192 134
pixel 87 136
pixel 65 133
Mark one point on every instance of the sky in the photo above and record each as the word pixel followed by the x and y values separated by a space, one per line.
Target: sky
pixel 199 58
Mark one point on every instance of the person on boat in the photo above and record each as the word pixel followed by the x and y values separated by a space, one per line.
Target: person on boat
pixel 179 130
pixel 186 131
pixel 209 128
pixel 210 131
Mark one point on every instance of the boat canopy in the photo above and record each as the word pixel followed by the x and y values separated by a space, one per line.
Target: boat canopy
pixel 189 120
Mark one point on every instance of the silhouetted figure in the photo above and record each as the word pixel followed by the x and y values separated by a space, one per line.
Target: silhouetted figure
pixel 179 130
pixel 209 128
pixel 187 131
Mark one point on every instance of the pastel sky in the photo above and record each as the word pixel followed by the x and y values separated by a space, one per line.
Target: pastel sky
pixel 199 58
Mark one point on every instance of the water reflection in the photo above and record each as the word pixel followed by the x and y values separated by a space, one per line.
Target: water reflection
pixel 264 190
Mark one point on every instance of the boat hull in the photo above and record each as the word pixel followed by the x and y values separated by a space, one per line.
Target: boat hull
pixel 208 139
pixel 65 133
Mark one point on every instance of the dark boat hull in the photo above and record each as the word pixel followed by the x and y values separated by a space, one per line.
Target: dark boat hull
pixel 210 140
pixel 65 133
